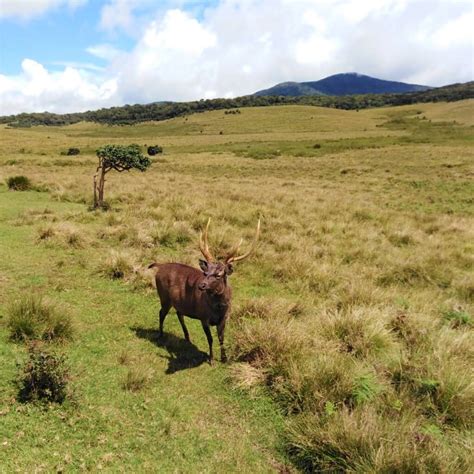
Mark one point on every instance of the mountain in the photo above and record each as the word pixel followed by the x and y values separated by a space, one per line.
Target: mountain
pixel 131 114
pixel 341 84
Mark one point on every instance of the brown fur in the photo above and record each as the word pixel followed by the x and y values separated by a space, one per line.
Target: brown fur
pixel 203 295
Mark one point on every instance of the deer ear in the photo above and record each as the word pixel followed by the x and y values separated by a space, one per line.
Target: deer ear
pixel 229 269
pixel 204 265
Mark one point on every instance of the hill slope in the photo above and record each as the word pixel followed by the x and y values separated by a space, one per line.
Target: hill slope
pixel 130 114
pixel 342 84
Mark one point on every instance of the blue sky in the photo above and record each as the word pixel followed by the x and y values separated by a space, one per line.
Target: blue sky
pixel 70 55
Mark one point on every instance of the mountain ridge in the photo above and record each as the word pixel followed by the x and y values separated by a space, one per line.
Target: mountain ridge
pixel 349 83
pixel 156 111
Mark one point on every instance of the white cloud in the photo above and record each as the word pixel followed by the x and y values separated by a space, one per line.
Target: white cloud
pixel 166 59
pixel 239 46
pixel 26 9
pixel 36 90
pixel 104 51
pixel 456 32
pixel 79 65
pixel 117 14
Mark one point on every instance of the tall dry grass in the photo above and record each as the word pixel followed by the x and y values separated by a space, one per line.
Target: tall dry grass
pixel 355 312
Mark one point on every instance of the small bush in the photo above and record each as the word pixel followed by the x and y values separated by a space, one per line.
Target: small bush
pixel 154 150
pixel 44 377
pixel 33 318
pixel 73 151
pixel 18 183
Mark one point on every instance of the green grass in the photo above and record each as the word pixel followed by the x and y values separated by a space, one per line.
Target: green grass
pixel 186 418
pixel 351 334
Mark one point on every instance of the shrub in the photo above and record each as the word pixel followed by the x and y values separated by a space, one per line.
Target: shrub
pixel 154 150
pixel 33 318
pixel 73 151
pixel 44 377
pixel 18 183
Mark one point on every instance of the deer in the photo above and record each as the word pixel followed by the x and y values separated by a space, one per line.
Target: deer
pixel 200 294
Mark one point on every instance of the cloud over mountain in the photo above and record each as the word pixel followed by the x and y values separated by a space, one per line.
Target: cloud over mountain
pixel 229 48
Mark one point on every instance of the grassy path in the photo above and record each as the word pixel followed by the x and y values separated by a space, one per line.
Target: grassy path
pixel 185 419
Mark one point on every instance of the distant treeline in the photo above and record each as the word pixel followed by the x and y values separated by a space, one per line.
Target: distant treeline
pixel 131 114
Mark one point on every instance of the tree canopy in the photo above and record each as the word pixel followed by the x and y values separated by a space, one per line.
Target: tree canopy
pixel 119 158
pixel 122 158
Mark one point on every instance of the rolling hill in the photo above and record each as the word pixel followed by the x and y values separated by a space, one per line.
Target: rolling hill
pixel 157 111
pixel 341 84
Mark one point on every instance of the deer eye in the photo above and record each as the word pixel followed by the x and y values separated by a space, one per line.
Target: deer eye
pixel 217 277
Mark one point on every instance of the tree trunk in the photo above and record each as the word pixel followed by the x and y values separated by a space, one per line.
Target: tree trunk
pixel 96 203
pixel 99 187
pixel 100 202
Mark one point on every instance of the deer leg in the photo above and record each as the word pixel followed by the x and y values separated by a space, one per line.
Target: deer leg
pixel 185 329
pixel 207 330
pixel 163 312
pixel 220 335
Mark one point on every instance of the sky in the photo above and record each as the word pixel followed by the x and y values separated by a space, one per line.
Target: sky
pixel 75 55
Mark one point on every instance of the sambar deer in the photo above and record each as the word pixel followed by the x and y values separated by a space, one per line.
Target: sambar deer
pixel 203 295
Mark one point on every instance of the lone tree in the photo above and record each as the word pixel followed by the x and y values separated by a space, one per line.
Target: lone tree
pixel 119 158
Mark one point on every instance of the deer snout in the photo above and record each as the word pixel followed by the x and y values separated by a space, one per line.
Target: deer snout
pixel 202 286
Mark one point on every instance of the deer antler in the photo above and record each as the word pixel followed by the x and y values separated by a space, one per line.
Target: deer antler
pixel 203 244
pixel 231 257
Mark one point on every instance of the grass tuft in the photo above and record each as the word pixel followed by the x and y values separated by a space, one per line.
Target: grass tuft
pixel 458 318
pixel 135 380
pixel 35 318
pixel 117 266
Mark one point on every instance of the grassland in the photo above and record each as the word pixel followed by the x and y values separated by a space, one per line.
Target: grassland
pixel 351 335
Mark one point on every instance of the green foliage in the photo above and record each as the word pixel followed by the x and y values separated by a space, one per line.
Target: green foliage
pixel 365 389
pixel 131 114
pixel 18 183
pixel 122 158
pixel 458 318
pixel 34 318
pixel 154 150
pixel 44 377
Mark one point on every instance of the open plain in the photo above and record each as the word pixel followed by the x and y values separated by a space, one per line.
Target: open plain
pixel 351 335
